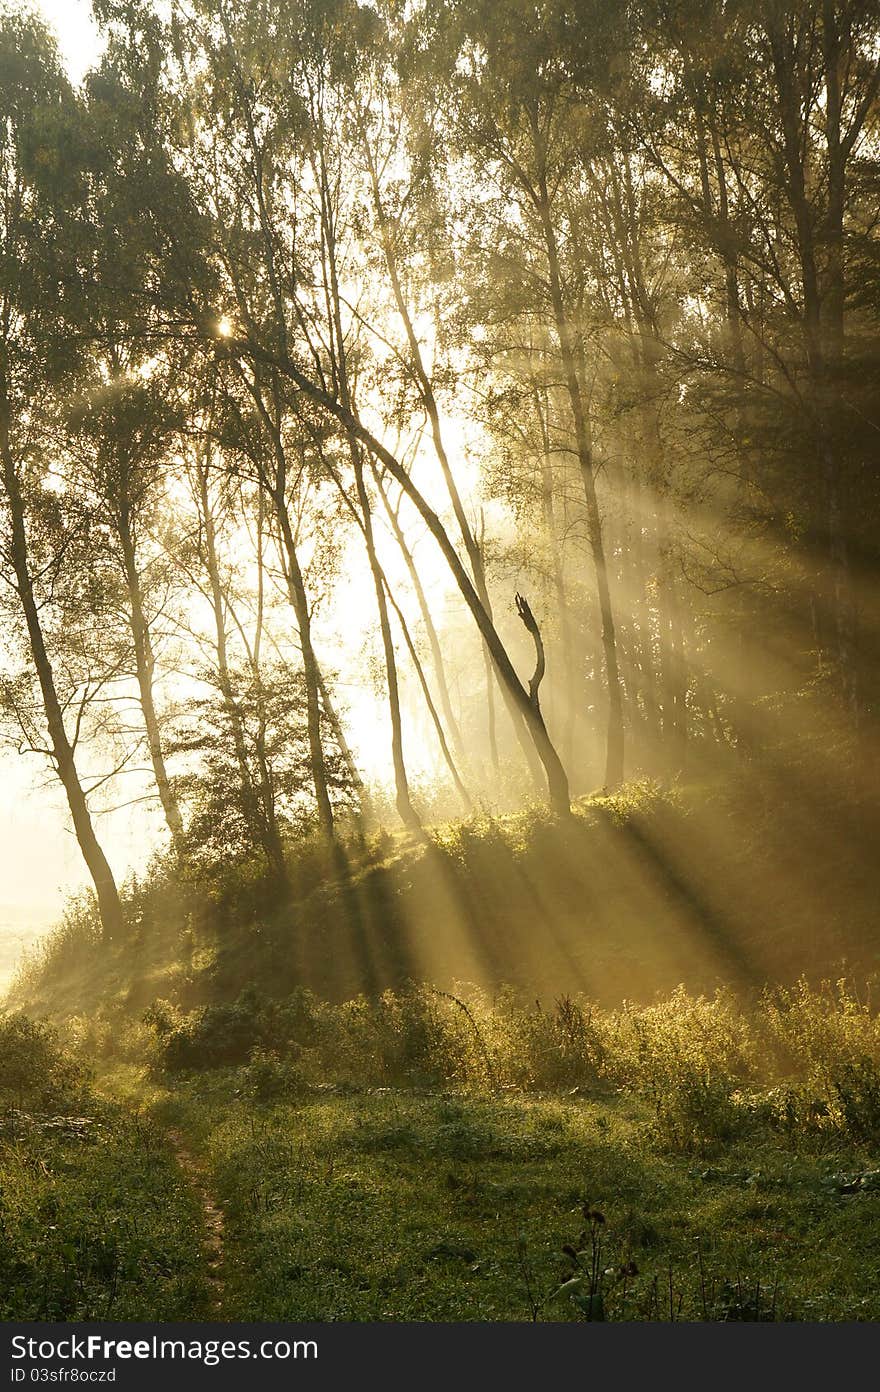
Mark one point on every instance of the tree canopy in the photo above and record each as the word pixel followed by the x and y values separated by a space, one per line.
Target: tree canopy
pixel 494 384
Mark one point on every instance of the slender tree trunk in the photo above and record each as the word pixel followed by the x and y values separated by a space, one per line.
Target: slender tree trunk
pixel 491 721
pixel 579 414
pixel 278 862
pixel 834 38
pixel 614 763
pixel 277 489
pixel 429 702
pixel 427 620
pixel 642 608
pixel 822 315
pixel 145 664
pixel 296 587
pixel 299 600
pixel 109 904
pixel 258 803
pixel 403 801
pixel 557 572
pixel 673 670
pixel 557 780
pixel 335 724
pixel 429 401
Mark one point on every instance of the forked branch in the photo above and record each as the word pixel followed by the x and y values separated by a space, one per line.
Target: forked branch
pixel 531 623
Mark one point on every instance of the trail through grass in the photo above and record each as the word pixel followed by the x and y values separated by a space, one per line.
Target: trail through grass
pixel 212 1246
pixel 396 1205
pixel 97 1220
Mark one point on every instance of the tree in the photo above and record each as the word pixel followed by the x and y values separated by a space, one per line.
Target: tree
pixel 43 173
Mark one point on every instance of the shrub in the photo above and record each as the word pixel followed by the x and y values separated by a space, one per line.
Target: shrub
pixel 72 941
pixel 687 1055
pixel 811 1032
pixel 856 1098
pixel 696 1112
pixel 33 1068
pixel 216 1035
pixel 412 1036
pixel 828 1040
pixel 538 1048
pixel 267 1078
pixel 696 1060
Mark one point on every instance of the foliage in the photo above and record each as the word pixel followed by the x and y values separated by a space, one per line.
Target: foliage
pixel 391 1204
pixel 97 1222
pixel 696 1062
pixel 221 1034
pixel 34 1071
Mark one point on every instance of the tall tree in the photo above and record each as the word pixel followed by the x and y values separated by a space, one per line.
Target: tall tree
pixel 43 173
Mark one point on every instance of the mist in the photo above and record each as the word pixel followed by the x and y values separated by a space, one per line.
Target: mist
pixel 440 657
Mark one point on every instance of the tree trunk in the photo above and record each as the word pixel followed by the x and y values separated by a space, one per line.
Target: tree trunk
pixel 258 803
pixel 822 316
pixel 557 571
pixel 557 781
pixel 429 401
pixel 427 620
pixel 109 904
pixel 403 801
pixel 335 723
pixel 144 669
pixel 615 739
pixel 299 600
pixel 429 702
pixel 277 489
pixel 643 611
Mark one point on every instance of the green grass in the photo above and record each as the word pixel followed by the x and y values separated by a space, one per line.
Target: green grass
pixel 416 1158
pixel 386 1143
pixel 389 1205
pixel 96 1220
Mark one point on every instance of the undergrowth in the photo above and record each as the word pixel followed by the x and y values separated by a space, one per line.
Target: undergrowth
pixel 803 1061
pixel 95 1219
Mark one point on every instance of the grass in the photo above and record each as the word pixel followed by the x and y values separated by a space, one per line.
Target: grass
pixel 97 1221
pixel 422 1157
pixel 390 1205
pixel 295 1124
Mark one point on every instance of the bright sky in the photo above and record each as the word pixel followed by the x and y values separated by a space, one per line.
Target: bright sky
pixel 76 30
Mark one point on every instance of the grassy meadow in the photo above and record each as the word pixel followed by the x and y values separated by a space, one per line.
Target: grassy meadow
pixel 192 1137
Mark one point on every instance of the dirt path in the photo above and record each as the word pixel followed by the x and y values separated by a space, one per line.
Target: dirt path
pixel 212 1217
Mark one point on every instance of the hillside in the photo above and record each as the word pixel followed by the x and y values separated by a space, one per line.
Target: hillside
pixel 453 1075
pixel 631 897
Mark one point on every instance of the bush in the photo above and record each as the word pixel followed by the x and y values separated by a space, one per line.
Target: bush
pixel 702 1063
pixel 696 1112
pixel 413 1036
pixel 34 1071
pixel 856 1099
pixel 216 1035
pixel 77 937
pixel 812 1029
pixel 687 1056
pixel 537 1048
pixel 268 1078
